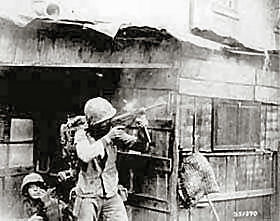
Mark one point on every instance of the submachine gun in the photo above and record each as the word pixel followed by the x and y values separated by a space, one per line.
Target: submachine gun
pixel 68 130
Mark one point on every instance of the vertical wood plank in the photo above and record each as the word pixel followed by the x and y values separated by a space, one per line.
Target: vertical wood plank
pixel 263 125
pixel 274 199
pixel 203 108
pixel 186 122
pixel 173 179
pixel 258 184
pixel 231 166
pixel 219 166
pixel 253 204
pixel 267 184
pixel 277 188
pixel 241 182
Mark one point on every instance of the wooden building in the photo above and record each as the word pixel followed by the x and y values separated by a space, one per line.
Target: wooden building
pixel 50 69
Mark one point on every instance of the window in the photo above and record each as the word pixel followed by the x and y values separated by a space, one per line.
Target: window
pixel 223 124
pixel 237 125
pixel 227 8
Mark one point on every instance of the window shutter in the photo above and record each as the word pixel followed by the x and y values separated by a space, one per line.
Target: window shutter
pixel 249 125
pixel 237 125
pixel 225 124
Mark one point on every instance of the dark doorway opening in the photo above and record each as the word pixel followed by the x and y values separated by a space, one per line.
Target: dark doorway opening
pixel 49 95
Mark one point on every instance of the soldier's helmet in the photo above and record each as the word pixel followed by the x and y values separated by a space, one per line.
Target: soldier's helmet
pixel 98 110
pixel 29 179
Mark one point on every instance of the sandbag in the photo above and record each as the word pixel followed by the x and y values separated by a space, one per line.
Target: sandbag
pixel 196 179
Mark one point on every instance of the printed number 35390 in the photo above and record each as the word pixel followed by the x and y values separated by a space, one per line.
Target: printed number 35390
pixel 245 213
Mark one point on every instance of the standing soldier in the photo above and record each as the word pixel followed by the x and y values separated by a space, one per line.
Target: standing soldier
pixel 97 186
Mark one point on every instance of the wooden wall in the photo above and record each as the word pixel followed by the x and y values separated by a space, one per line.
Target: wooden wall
pixel 203 77
pixel 43 43
pixel 147 81
pixel 247 187
pixel 150 172
pixel 224 98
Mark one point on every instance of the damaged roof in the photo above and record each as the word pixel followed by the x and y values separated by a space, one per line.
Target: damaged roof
pixel 107 16
pixel 121 20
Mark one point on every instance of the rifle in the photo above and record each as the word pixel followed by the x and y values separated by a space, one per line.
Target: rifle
pixel 126 119
pixel 121 119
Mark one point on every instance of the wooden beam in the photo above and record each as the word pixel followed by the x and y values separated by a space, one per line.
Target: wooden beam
pixel 214 89
pixel 216 197
pixel 92 65
pixel 223 154
pixel 17 142
pixel 148 202
pixel 156 163
pixel 15 171
pixel 244 147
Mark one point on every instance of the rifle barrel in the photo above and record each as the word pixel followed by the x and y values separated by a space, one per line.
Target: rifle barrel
pixel 137 111
pixel 154 105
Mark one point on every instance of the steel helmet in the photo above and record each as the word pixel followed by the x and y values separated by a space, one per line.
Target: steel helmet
pixel 98 110
pixel 31 178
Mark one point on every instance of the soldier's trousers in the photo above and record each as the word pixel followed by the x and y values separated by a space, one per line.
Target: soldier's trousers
pixel 105 209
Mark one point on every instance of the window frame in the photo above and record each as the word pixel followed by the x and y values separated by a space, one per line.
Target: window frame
pixel 235 146
pixel 222 9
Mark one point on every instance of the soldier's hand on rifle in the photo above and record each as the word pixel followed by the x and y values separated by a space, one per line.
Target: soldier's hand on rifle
pixel 115 133
pixel 141 121
pixel 76 121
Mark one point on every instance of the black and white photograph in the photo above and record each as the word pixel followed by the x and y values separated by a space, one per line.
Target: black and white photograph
pixel 139 110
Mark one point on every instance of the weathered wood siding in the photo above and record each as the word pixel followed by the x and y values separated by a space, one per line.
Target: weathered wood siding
pixel 231 78
pixel 246 184
pixel 232 103
pixel 151 197
pixel 42 43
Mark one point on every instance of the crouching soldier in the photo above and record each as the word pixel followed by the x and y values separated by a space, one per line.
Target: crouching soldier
pixel 97 186
pixel 38 204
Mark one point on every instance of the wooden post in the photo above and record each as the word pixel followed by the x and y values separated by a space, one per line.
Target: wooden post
pixel 175 165
pixel 276 171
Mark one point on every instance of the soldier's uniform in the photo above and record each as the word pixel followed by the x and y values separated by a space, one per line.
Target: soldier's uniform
pixel 48 208
pixel 97 186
